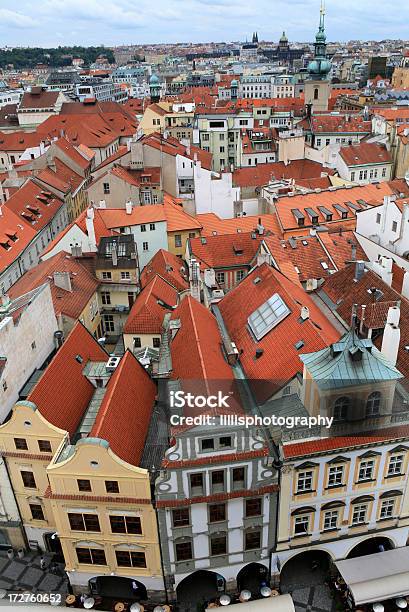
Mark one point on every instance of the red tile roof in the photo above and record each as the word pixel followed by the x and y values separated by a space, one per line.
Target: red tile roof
pixel 263 173
pixel 39 99
pixel 308 255
pixel 172 146
pixel 70 303
pixel 34 205
pixel 211 223
pixel 227 251
pixel 365 153
pixel 73 152
pixel 15 236
pixel 124 415
pixel 146 316
pixel 339 124
pixel 19 141
pixel 339 246
pixel 177 219
pixel 63 392
pixel 325 445
pixel 168 266
pixel 146 176
pixel 118 217
pixel 280 360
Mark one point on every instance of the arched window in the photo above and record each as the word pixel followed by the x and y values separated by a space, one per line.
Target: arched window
pixel 373 404
pixel 316 93
pixel 341 408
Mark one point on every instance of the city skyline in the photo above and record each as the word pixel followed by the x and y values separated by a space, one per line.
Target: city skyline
pixel 116 22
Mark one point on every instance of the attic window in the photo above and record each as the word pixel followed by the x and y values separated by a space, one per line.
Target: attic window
pixel 267 316
pixel 298 345
pixel 6 245
pixel 79 358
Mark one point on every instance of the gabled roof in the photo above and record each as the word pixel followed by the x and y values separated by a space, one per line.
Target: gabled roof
pixel 124 415
pixel 172 146
pixel 92 130
pixel 177 218
pixel 100 229
pixel 34 205
pixel 309 257
pixel 365 153
pixel 282 345
pixel 264 173
pixel 19 141
pixel 337 123
pixel 168 266
pixel 15 236
pixel 137 178
pixel 150 307
pixel 70 303
pixel 63 392
pixel 339 246
pixel 227 251
pixel 73 152
pixel 41 99
pixel 349 362
pixel 118 217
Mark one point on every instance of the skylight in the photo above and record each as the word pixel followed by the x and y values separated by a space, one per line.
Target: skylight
pixel 267 316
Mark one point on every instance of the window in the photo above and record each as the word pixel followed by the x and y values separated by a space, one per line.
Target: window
pixel 180 517
pixel 253 507
pixel 366 468
pixel 20 444
pixel 352 176
pixel 28 480
pixel 217 480
pixel 111 486
pixel 143 227
pixel 125 275
pixel 378 217
pixel 318 142
pixel 109 323
pixel 91 556
pixel 128 558
pixel 373 404
pixel 207 444
pixel 183 551
pixel 220 277
pixel 44 446
pixel 105 297
pixel 84 485
pixel 145 246
pixel 301 524
pixel 106 275
pixel 387 509
pixel 330 519
pixel 252 540
pixel 218 545
pixel 335 475
pixel 137 342
pixel 383 172
pixel 37 512
pixel 394 226
pixel 359 514
pixel 304 481
pixel 239 275
pixel 225 442
pixel 341 407
pixel 192 234
pixel 152 227
pixel 106 188
pixel 156 342
pixel 178 240
pixel 395 466
pixel 221 150
pixel 267 316
pixel 147 198
pixel 83 522
pixel 217 512
pixel 125 524
pixel 238 478
pixel 196 484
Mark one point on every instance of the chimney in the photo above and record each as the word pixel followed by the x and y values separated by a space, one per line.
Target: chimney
pixel 391 335
pixel 102 204
pixel 305 313
pixel 260 227
pixel 58 339
pixel 128 207
pixel 114 254
pixel 89 223
pixel 76 250
pixel 359 270
pixel 62 280
pixel 194 278
pixel 353 252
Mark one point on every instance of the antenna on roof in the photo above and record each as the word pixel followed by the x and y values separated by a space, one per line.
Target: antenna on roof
pixel 353 321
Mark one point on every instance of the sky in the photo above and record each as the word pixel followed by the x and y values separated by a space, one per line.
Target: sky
pixel 114 22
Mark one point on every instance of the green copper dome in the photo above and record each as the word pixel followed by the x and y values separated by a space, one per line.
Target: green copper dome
pixel 154 80
pixel 319 67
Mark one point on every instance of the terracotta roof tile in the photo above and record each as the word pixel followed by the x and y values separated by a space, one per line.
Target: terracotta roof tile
pixel 168 266
pixel 63 392
pixel 365 153
pixel 146 316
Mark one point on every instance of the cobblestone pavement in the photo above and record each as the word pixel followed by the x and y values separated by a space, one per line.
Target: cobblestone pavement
pixel 313 599
pixel 26 574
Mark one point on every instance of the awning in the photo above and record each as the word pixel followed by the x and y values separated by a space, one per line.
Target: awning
pixel 383 575
pixel 281 603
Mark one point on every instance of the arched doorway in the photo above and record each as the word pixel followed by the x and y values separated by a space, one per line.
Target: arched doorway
pixel 252 577
pixel 370 546
pixel 199 588
pixel 309 568
pixel 53 545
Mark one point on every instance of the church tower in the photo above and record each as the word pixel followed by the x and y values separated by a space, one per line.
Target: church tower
pixel 155 88
pixel 317 86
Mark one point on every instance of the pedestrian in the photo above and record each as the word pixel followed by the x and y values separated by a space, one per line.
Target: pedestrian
pixel 43 563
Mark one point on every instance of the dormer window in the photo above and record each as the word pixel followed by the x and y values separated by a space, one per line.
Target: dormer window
pixel 207 444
